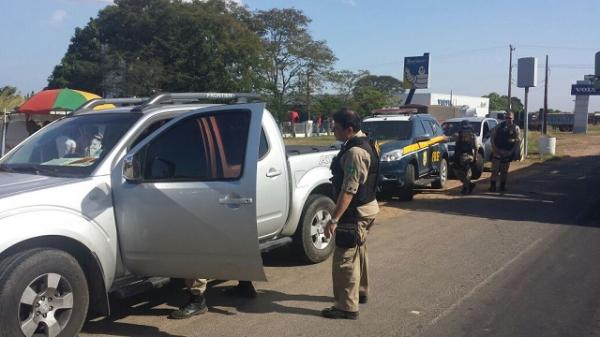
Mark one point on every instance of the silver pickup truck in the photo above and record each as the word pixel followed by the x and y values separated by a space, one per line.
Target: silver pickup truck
pixel 102 201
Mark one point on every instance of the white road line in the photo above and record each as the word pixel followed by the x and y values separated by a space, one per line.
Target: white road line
pixel 487 280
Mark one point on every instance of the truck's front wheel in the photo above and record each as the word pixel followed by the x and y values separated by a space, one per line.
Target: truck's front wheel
pixel 310 237
pixel 43 292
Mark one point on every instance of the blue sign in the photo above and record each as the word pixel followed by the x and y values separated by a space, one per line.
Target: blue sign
pixel 584 89
pixel 416 72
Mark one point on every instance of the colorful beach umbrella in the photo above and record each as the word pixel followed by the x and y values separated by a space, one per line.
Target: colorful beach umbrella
pixel 57 100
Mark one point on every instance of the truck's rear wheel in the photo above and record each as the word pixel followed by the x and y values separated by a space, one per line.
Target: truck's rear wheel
pixel 43 292
pixel 310 237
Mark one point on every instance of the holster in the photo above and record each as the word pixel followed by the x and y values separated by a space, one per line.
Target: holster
pixel 347 234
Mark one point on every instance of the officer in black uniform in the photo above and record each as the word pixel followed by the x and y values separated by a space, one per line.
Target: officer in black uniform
pixel 506 147
pixel 465 155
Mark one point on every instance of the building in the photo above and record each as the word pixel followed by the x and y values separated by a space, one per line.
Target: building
pixel 467 105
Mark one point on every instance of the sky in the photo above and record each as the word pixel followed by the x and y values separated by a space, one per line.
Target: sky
pixel 468 40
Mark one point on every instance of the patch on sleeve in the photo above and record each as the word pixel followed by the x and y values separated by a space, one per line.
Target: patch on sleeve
pixel 350 170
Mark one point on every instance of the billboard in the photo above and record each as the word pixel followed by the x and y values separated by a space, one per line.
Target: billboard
pixel 527 72
pixel 584 89
pixel 416 72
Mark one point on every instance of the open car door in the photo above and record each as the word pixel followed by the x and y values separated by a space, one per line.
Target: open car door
pixel 185 197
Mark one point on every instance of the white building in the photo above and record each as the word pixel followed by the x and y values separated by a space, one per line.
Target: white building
pixel 468 105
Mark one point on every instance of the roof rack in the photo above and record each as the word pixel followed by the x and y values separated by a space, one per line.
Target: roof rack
pixel 91 104
pixel 410 109
pixel 166 98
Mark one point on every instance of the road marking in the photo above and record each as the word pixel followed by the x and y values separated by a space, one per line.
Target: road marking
pixel 486 281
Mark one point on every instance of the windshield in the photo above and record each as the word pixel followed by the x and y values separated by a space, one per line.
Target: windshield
pixel 380 130
pixel 452 128
pixel 71 147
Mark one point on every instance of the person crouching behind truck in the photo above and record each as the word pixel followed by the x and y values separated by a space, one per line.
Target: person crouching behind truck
pixel 465 156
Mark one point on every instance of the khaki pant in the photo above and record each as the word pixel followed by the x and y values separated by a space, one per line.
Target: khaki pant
pixel 499 168
pixel 197 286
pixel 350 272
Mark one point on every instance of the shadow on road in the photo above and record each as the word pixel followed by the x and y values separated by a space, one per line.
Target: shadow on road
pixel 175 295
pixel 559 191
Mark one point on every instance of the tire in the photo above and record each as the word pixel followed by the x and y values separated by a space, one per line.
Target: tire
pixel 477 168
pixel 443 176
pixel 310 238
pixel 407 192
pixel 24 279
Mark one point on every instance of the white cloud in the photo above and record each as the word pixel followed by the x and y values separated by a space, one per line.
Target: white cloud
pixel 58 17
pixel 349 2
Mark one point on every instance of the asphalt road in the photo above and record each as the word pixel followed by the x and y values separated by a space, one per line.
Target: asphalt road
pixel 522 263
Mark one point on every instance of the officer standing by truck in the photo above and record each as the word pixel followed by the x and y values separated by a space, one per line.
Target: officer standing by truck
pixel 505 148
pixel 465 155
pixel 355 170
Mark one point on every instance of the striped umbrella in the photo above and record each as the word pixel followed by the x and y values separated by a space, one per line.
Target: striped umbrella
pixel 58 100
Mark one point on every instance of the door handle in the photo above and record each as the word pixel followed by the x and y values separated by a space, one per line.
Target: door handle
pixel 235 201
pixel 273 172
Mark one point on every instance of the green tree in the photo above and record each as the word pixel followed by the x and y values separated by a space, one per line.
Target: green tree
pixel 389 85
pixel 500 103
pixel 9 99
pixel 295 63
pixel 138 47
pixel 368 98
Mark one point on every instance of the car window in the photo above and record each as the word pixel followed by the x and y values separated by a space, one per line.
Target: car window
pixel 263 148
pixel 209 147
pixel 493 123
pixel 452 128
pixel 73 146
pixel 148 131
pixel 384 130
pixel 428 128
pixel 437 130
pixel 486 131
pixel 419 129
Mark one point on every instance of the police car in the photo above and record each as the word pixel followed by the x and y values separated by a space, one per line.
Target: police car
pixel 412 150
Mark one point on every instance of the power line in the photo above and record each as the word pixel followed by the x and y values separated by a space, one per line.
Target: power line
pixel 556 47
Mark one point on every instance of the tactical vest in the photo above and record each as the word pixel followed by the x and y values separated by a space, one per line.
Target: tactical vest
pixel 506 136
pixel 464 143
pixel 366 192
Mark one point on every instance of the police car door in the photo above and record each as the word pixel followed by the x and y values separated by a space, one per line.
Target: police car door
pixel 425 148
pixel 185 197
pixel 435 144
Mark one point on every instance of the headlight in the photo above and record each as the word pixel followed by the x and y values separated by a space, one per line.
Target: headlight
pixel 392 155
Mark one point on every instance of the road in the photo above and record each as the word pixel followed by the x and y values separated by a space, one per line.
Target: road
pixel 522 263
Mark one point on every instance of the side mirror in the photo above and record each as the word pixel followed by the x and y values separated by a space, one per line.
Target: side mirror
pixel 132 168
pixel 422 139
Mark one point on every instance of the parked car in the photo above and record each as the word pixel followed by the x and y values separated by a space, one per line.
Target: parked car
pixel 482 127
pixel 117 200
pixel 412 150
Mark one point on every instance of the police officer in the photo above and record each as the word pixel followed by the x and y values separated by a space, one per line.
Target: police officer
pixel 505 148
pixel 197 303
pixel 354 170
pixel 465 155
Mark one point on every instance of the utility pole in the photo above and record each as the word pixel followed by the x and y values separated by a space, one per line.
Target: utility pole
pixel 307 103
pixel 545 125
pixel 510 77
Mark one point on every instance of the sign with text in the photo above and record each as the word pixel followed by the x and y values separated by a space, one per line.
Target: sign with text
pixel 416 72
pixel 584 89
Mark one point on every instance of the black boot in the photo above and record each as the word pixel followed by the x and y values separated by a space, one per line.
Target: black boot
pixel 464 190
pixel 503 187
pixel 244 289
pixel 196 306
pixel 493 186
